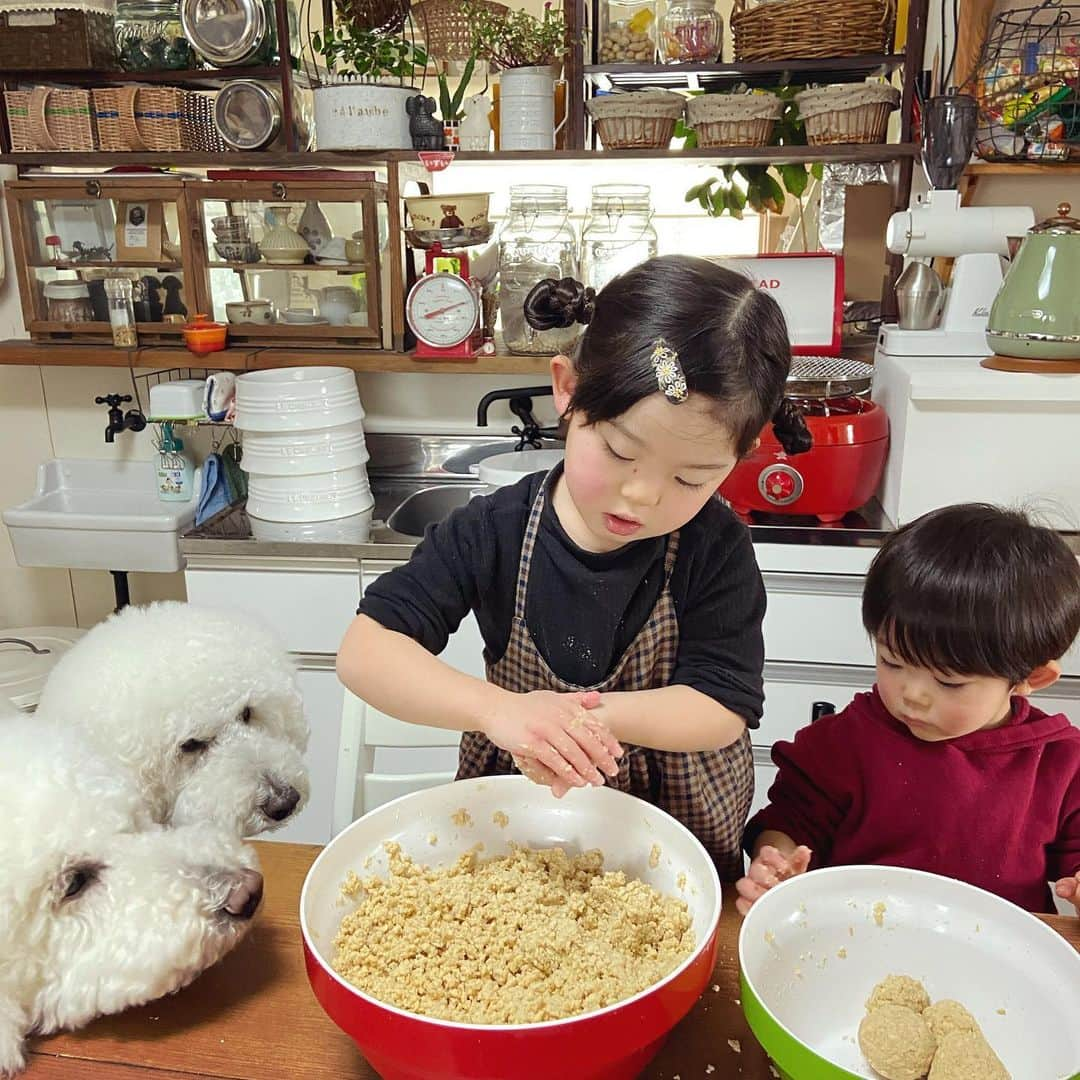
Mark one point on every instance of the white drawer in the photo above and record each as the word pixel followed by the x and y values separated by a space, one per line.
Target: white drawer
pixel 310 608
pixel 764 775
pixel 792 689
pixel 816 619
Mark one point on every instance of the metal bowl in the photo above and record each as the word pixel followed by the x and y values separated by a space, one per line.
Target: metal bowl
pixel 450 238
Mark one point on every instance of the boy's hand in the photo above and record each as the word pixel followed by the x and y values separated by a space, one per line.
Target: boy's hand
pixel 769 867
pixel 555 736
pixel 1068 888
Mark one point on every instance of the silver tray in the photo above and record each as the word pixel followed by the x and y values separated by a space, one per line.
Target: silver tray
pixel 450 238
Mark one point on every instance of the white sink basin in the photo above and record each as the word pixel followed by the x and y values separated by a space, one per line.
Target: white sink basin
pixel 98 515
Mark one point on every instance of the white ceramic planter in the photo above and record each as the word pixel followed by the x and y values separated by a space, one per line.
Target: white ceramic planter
pixel 362 116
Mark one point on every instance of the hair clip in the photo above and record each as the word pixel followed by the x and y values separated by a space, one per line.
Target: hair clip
pixel 669 372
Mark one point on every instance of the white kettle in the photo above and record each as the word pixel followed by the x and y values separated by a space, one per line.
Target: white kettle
pixel 337 303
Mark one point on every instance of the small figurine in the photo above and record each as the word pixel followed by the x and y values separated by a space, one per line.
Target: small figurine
pixel 173 304
pixel 475 130
pixel 426 131
pixel 80 253
pixel 154 310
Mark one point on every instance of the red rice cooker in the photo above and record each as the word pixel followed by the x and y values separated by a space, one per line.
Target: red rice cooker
pixel 840 473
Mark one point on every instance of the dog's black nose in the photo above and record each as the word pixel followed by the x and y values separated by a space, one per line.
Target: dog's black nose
pixel 280 803
pixel 245 894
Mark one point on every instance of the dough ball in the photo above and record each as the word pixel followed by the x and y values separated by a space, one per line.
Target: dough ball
pixel 899 990
pixel 945 1016
pixel 965 1055
pixel 897 1042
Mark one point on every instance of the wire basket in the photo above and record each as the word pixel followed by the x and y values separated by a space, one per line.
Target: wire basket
pixel 447 28
pixel 811 29
pixel 155 118
pixel 1028 85
pixel 49 119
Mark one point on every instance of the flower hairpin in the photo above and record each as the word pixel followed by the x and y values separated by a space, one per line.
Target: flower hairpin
pixel 669 372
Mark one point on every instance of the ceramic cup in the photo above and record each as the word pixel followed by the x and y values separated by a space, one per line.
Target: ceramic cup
pixel 250 311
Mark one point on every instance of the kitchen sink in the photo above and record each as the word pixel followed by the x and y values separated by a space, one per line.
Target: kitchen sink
pixel 98 515
pixel 425 507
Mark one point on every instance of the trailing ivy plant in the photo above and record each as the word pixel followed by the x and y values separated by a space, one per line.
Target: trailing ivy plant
pixel 739 186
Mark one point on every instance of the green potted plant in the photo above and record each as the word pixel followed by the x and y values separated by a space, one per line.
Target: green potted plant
pixel 450 103
pixel 529 50
pixel 362 104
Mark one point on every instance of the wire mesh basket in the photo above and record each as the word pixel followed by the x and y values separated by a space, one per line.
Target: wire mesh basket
pixel 1028 85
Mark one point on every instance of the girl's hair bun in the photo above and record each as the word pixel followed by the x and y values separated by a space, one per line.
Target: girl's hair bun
pixel 789 427
pixel 553 304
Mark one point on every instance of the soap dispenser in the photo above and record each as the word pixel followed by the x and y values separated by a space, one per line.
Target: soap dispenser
pixel 175 469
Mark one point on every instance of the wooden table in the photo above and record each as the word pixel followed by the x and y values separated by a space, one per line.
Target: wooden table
pixel 253 1016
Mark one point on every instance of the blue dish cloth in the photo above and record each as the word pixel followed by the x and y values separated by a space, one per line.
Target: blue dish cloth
pixel 214 496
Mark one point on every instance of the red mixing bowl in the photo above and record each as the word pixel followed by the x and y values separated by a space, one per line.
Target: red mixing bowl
pixel 614 1043
pixel 839 474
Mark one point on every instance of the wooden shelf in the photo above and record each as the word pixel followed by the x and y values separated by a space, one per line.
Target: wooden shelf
pixel 112 264
pixel 250 358
pixel 854 153
pixel 779 73
pixel 1023 168
pixel 341 268
pixel 207 76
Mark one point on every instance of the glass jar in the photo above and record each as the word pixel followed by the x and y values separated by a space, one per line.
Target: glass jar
pixel 691 31
pixel 537 242
pixel 627 32
pixel 68 302
pixel 121 313
pixel 149 36
pixel 618 234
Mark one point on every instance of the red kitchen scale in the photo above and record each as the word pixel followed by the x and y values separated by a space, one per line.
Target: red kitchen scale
pixel 443 308
pixel 841 472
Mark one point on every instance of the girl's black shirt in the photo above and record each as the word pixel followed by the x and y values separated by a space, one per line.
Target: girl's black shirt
pixel 585 608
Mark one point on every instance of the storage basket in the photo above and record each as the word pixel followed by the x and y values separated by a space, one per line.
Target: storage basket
pixel 811 29
pixel 847 113
pixel 54 40
pixel 447 28
pixel 48 119
pixel 644 120
pixel 734 119
pixel 155 118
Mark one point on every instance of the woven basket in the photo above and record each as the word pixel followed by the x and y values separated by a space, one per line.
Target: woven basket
pixel 847 113
pixel 447 28
pixel 69 40
pixel 155 118
pixel 734 119
pixel 811 29
pixel 644 120
pixel 51 120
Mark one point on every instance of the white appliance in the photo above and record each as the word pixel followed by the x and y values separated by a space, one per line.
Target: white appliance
pixel 962 433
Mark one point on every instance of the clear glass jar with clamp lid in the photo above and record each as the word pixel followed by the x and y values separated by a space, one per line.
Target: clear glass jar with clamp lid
pixel 618 234
pixel 691 31
pixel 538 241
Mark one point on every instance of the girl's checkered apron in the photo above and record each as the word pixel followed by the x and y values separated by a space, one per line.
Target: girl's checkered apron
pixel 708 791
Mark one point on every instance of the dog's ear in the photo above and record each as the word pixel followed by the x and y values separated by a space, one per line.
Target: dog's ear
pixel 13 1025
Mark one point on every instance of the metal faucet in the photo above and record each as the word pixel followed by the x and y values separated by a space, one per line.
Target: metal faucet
pixel 119 421
pixel 531 432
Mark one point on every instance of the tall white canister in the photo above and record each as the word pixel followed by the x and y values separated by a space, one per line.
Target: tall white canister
pixel 527 108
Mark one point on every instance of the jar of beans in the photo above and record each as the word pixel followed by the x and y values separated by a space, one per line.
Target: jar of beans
pixel 691 32
pixel 627 32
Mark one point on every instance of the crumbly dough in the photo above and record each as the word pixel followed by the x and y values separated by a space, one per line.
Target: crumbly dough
pixel 966 1055
pixel 530 936
pixel 899 990
pixel 897 1042
pixel 946 1016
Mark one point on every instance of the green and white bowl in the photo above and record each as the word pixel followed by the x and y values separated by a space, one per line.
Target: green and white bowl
pixel 811 950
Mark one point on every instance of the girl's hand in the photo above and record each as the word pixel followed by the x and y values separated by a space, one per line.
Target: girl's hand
pixel 1068 888
pixel 555 742
pixel 769 867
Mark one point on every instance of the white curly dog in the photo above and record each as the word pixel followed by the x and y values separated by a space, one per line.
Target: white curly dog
pixel 201 705
pixel 101 909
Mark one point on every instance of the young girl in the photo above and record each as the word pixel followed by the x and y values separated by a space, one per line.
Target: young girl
pixel 619 601
pixel 945 766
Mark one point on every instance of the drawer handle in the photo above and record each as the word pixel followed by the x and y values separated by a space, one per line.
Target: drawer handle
pixel 820 709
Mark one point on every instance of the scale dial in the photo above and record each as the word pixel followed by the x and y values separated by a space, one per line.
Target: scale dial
pixel 442 310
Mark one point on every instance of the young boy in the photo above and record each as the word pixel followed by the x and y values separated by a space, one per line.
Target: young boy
pixel 945 765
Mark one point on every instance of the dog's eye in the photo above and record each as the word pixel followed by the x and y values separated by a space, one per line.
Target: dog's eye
pixel 245 716
pixel 77 880
pixel 193 746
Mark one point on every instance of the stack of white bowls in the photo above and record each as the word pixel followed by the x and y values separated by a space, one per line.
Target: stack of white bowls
pixel 305 454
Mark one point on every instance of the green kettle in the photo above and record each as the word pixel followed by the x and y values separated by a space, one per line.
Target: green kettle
pixel 1036 313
